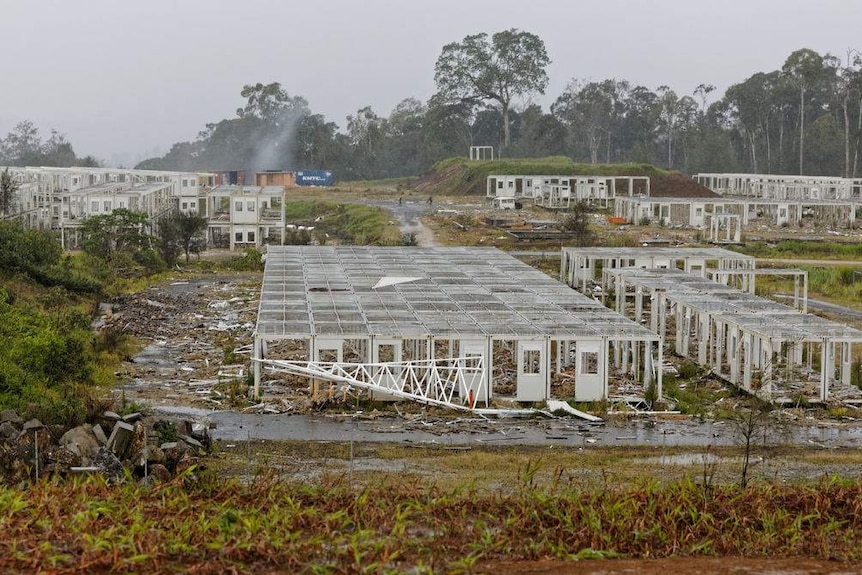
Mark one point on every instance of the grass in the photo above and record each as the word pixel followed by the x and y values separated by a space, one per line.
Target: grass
pixel 838 284
pixel 347 222
pixel 788 249
pixel 390 525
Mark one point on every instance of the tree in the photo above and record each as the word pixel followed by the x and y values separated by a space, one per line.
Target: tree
pixel 577 223
pixel 448 128
pixel 109 235
pixel 802 68
pixel 23 145
pixel 511 64
pixel 747 423
pixel 366 132
pixel 592 110
pixel 57 151
pixel 752 107
pixel 674 115
pixel 181 233
pixel 8 189
pixel 540 134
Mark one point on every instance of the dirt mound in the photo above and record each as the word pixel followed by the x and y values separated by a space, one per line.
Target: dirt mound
pixel 431 182
pixel 678 186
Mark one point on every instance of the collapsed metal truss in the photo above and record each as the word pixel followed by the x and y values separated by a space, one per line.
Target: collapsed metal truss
pixel 450 383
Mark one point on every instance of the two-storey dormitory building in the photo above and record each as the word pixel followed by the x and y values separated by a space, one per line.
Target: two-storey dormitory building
pixel 60 198
pixel 245 216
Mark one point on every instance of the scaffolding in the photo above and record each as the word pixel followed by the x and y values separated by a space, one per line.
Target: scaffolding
pixel 783 187
pixel 702 212
pixel 761 346
pixel 385 318
pixel 580 268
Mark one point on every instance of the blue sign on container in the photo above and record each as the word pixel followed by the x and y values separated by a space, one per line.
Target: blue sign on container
pixel 314 178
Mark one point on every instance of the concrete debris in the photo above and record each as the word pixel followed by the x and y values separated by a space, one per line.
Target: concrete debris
pixel 10 416
pixel 82 441
pixel 121 438
pixel 32 424
pixel 29 450
pixel 99 434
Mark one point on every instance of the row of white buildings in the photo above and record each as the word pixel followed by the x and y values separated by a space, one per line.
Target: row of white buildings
pixel 560 192
pixel 60 199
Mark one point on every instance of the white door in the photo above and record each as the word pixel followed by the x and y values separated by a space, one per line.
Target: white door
pixel 532 379
pixel 474 383
pixel 589 371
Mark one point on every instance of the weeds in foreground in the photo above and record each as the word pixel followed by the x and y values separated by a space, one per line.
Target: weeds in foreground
pixel 211 526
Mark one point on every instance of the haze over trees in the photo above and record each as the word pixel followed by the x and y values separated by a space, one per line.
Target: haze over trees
pixel 23 146
pixel 805 116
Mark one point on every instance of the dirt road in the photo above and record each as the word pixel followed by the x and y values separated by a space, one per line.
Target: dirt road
pixel 408 213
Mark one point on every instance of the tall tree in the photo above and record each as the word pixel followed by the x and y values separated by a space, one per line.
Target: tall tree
pixel 23 145
pixel 366 132
pixel 508 65
pixel 674 115
pixel 8 189
pixel 802 68
pixel 592 110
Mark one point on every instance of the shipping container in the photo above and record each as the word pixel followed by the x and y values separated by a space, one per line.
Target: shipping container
pixel 229 177
pixel 314 178
pixel 275 178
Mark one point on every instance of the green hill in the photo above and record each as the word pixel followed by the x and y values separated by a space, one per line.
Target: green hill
pixel 460 176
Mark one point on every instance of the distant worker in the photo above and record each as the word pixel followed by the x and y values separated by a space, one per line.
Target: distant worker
pixel 399 200
pixel 430 200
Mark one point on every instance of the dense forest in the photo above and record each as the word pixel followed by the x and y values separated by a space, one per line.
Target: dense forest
pixel 805 117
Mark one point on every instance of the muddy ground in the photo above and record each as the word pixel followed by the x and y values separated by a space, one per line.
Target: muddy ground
pixel 196 333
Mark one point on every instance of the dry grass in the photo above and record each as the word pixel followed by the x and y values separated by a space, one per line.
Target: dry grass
pixel 390 525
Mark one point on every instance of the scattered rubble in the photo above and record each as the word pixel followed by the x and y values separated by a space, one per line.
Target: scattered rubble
pixel 136 448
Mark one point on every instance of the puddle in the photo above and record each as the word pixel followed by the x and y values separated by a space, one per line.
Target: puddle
pixel 232 426
pixel 682 459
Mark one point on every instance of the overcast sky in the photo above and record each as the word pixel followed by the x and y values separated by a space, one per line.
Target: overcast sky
pixel 125 79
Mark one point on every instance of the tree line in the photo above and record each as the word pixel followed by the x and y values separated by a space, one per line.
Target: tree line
pixel 803 118
pixel 23 146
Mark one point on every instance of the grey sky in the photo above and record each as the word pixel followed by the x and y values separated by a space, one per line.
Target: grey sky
pixel 125 79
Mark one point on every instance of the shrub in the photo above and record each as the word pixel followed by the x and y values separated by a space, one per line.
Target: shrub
pixel 250 261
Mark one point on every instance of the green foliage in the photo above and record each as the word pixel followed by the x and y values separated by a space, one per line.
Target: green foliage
pixel 623 241
pixel 689 370
pixel 179 233
pixel 112 236
pixel 37 254
pixel 690 398
pixel 250 261
pixel 150 260
pixel 856 374
pixel 509 64
pixel 166 431
pixel 48 361
pixel 803 249
pixel 392 525
pixel 356 224
pixel 8 188
pixel 577 222
pixel 296 237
